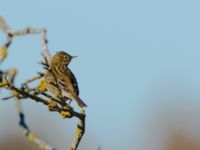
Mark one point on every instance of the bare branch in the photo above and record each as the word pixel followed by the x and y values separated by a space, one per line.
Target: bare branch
pixel 38 93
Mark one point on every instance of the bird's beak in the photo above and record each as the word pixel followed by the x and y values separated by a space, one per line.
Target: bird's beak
pixel 74 57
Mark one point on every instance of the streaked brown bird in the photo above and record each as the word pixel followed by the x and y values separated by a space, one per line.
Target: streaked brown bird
pixel 60 81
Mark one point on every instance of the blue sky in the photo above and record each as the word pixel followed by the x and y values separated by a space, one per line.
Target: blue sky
pixel 130 52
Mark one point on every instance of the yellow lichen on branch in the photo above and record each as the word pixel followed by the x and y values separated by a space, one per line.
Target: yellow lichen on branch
pixel 80 130
pixel 42 86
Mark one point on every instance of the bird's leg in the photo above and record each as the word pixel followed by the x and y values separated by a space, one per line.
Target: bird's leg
pixel 69 101
pixel 63 103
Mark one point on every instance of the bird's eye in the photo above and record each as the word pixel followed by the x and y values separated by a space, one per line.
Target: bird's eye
pixel 66 57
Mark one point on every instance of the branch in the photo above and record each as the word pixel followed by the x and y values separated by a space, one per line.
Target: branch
pixel 26 131
pixel 10 34
pixel 65 110
pixel 80 130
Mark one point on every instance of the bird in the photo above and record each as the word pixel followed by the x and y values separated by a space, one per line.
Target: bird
pixel 60 80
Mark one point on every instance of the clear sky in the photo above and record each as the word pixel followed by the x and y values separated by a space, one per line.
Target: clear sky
pixel 135 58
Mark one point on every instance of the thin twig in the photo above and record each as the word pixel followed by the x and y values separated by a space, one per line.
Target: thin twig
pixel 10 34
pixel 27 132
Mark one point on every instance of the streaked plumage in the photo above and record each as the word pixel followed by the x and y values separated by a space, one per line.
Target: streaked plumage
pixel 60 80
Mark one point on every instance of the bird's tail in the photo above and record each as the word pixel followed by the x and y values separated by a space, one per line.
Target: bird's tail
pixel 75 98
pixel 79 102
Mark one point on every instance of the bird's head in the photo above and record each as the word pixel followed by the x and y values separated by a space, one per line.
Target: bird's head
pixel 62 57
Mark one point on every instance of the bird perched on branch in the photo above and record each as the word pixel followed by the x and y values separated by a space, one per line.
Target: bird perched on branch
pixel 60 81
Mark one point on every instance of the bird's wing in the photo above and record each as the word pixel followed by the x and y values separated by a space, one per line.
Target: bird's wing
pixel 66 81
pixel 69 87
pixel 74 81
